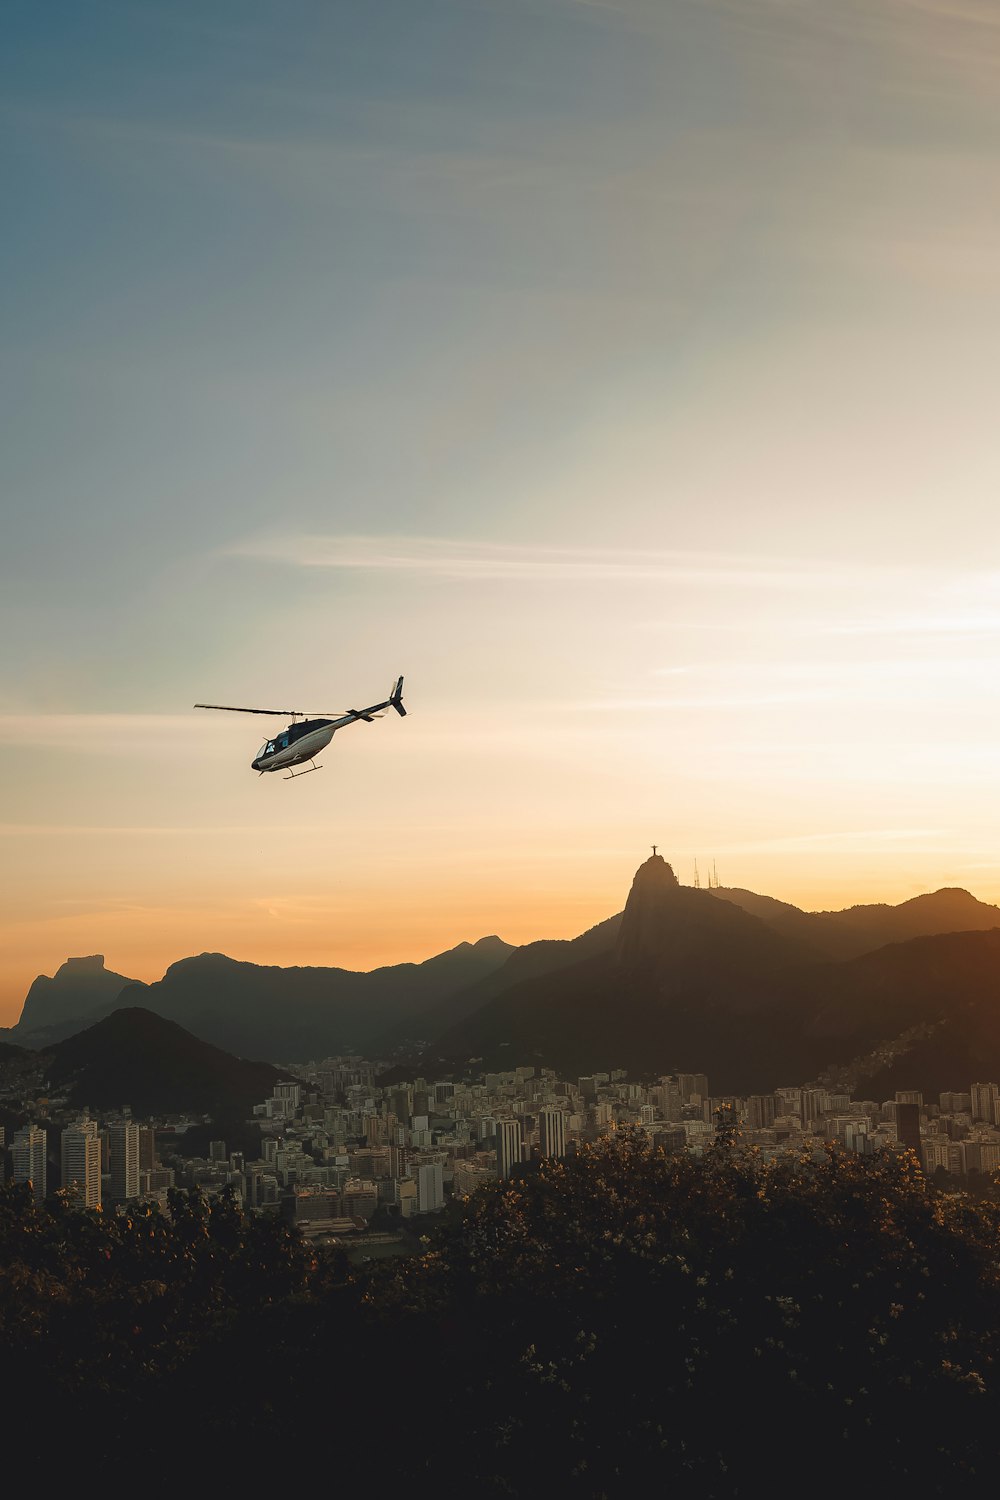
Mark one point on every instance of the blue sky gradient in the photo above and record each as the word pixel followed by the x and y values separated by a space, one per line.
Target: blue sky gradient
pixel 622 372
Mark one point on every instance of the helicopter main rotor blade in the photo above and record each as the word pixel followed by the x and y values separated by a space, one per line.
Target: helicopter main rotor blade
pixel 274 713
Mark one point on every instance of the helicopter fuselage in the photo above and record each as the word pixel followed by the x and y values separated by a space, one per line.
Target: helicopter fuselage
pixel 296 744
pixel 305 738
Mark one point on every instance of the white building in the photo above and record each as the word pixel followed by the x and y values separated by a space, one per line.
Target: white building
pixel 552 1132
pixel 80 1151
pixel 508 1146
pixel 430 1188
pixel 469 1176
pixel 28 1157
pixel 291 1092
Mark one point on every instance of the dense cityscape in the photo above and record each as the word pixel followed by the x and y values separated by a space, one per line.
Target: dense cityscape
pixel 347 1159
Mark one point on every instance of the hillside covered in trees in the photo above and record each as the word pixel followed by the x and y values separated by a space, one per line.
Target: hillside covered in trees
pixel 614 1324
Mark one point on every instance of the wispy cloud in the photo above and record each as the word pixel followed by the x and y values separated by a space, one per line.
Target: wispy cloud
pixel 761 699
pixel 969 622
pixel 840 840
pixel 106 831
pixel 467 561
pixel 108 734
pixel 916 22
pixel 890 682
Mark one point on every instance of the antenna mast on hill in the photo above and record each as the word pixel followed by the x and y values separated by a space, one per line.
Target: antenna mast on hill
pixel 715 877
pixel 697 877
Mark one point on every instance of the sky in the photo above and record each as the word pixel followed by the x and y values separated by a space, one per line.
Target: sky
pixel 620 371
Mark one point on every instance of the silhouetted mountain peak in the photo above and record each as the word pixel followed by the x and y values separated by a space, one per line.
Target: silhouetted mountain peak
pixel 950 900
pixel 492 944
pixel 137 1057
pixel 654 874
pixel 79 987
pixel 655 889
pixel 205 961
pixel 689 934
pixel 132 1022
pixel 92 963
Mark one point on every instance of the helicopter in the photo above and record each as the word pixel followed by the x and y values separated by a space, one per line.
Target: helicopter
pixel 304 737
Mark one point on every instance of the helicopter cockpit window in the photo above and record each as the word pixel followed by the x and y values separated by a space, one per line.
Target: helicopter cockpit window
pixel 267 749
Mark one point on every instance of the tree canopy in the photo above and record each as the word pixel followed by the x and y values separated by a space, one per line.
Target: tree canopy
pixel 617 1321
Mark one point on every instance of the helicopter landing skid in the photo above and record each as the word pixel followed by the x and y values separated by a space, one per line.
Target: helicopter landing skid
pixel 294 775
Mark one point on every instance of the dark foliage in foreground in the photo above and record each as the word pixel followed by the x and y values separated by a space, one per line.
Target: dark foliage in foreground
pixel 612 1325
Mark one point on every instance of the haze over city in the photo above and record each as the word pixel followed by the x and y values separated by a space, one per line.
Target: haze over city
pixel 619 372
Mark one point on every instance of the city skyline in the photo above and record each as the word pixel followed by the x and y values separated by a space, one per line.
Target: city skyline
pixel 618 372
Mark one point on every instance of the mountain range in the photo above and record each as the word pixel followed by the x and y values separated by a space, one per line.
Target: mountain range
pixel 753 991
pixel 256 1010
pixel 746 989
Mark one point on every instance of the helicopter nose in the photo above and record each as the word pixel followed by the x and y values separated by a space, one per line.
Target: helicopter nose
pixel 255 765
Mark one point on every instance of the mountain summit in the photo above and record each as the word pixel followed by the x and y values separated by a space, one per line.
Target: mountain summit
pixel 653 888
pixel 81 987
pixel 684 934
pixel 754 990
pixel 667 993
pixel 157 1066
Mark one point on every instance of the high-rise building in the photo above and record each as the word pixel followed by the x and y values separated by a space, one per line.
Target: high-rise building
pixel 28 1158
pixel 908 1126
pixel 469 1176
pixel 148 1159
pixel 508 1146
pixel 123 1155
pixel 813 1103
pixel 691 1084
pixel 80 1151
pixel 936 1153
pixel 406 1197
pixel 360 1198
pixel 984 1101
pixel 430 1188
pixel 762 1111
pixel 400 1101
pixel 666 1096
pixel 552 1132
pixel 857 1137
pixel 313 1205
pixel 789 1100
pixel 260 1188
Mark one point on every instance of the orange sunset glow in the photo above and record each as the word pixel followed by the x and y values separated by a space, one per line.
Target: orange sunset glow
pixel 624 379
